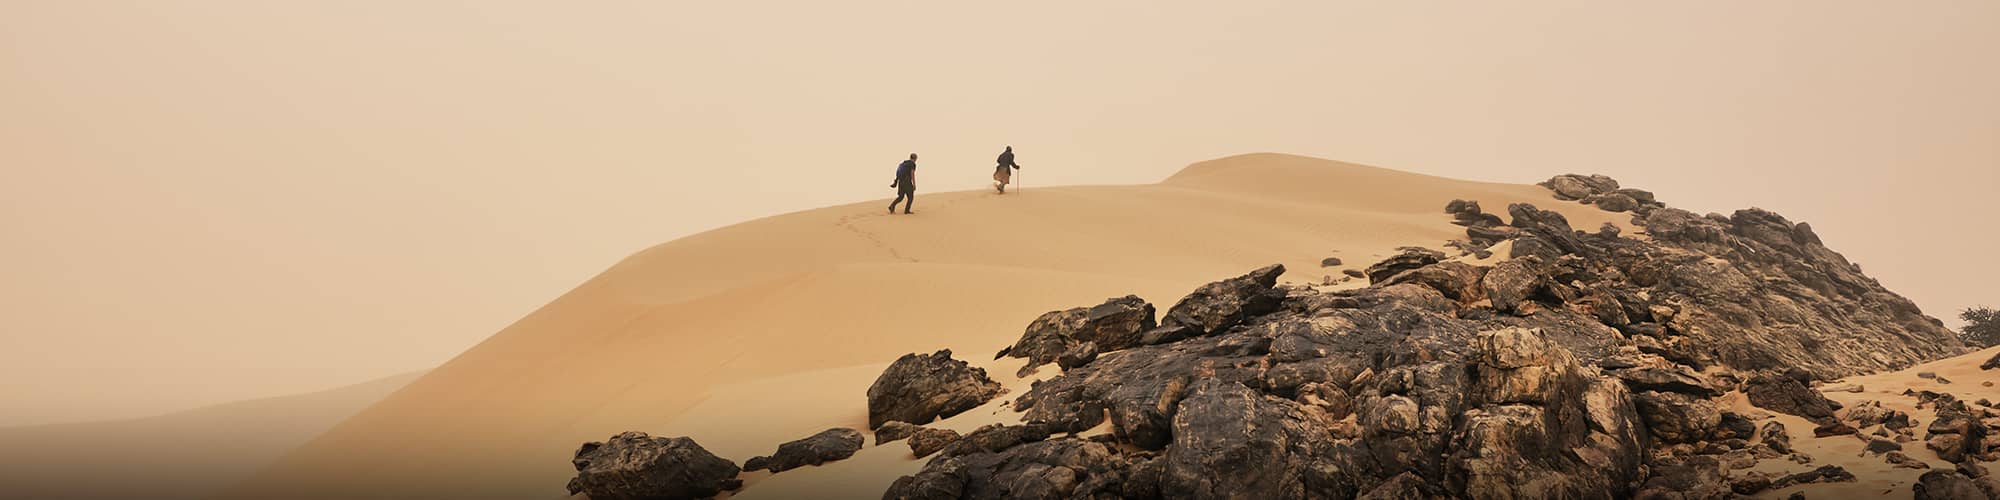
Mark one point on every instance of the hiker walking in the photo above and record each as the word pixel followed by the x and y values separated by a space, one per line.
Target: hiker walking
pixel 1004 172
pixel 905 184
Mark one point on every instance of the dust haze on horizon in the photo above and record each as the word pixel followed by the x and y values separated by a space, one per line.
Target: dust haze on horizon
pixel 210 201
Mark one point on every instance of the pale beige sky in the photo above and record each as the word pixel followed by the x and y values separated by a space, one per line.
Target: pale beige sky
pixel 205 201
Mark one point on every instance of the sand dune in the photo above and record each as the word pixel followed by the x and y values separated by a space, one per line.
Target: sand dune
pixel 766 331
pixel 189 454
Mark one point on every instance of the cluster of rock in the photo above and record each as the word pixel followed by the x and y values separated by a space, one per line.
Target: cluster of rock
pixel 1588 365
pixel 1603 192
pixel 915 388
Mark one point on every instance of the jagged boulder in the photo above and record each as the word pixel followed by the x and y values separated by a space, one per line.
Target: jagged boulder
pixel 1957 433
pixel 1229 442
pixel 1613 202
pixel 1823 474
pixel 1118 323
pixel 1457 281
pixel 1946 485
pixel 1513 282
pixel 1991 364
pixel 1773 435
pixel 893 431
pixel 1217 306
pixel 1689 478
pixel 1406 259
pixel 1054 469
pixel 1078 355
pixel 636 466
pixel 1788 396
pixel 1677 418
pixel 996 438
pixel 919 388
pixel 1579 187
pixel 1668 378
pixel 827 446
pixel 1871 413
pixel 926 441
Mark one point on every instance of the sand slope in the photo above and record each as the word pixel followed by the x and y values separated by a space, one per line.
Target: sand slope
pixel 759 308
pixel 189 454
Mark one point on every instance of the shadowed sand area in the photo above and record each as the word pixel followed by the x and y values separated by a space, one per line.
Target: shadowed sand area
pixel 770 330
pixel 183 455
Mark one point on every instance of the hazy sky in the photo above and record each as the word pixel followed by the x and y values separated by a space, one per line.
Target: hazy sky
pixel 203 201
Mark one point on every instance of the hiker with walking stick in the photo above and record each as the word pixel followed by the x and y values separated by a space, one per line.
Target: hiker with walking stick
pixel 1004 172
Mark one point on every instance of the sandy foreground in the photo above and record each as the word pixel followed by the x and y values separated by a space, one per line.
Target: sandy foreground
pixel 771 330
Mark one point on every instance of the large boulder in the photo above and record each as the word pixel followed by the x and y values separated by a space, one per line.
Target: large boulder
pixel 1053 469
pixel 1677 418
pixel 1613 202
pixel 636 466
pixel 919 388
pixel 1229 442
pixel 1513 282
pixel 1991 364
pixel 827 446
pixel 1579 187
pixel 1116 324
pixel 1789 396
pixel 1946 485
pixel 1668 378
pixel 1407 259
pixel 1217 306
pixel 926 441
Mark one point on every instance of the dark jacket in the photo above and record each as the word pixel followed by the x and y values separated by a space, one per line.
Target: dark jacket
pixel 906 175
pixel 1007 159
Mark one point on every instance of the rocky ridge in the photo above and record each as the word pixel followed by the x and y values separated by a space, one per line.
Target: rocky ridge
pixel 1585 365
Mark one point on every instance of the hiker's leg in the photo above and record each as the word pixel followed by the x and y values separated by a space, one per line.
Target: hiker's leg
pixel 912 203
pixel 892 205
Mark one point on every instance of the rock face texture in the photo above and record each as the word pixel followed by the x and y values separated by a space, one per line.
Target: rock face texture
pixel 827 446
pixel 1588 365
pixel 919 388
pixel 635 466
pixel 1217 306
pixel 1116 324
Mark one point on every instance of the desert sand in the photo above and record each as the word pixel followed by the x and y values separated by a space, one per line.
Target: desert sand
pixel 767 331
pixel 1876 477
pixel 184 455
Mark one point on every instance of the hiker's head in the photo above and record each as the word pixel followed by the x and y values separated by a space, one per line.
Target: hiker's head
pixel 913 156
pixel 1010 148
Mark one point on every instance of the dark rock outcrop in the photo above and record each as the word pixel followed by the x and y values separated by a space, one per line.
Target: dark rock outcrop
pixel 1946 485
pixel 1773 435
pixel 1991 364
pixel 893 431
pixel 1407 259
pixel 919 388
pixel 927 441
pixel 1116 324
pixel 1217 306
pixel 1784 395
pixel 1958 433
pixel 1587 366
pixel 827 446
pixel 636 466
